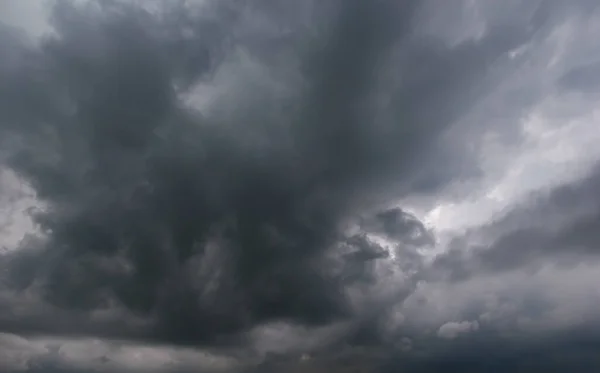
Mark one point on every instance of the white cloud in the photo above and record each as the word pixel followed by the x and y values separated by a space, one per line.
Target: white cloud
pixel 16 199
pixel 451 330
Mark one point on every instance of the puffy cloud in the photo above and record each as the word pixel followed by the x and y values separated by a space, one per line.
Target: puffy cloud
pixel 451 330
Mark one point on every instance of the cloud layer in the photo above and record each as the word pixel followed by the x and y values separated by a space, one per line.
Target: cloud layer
pixel 309 186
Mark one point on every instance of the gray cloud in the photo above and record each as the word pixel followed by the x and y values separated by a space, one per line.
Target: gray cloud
pixel 177 217
pixel 217 174
pixel 583 78
pixel 559 226
pixel 399 226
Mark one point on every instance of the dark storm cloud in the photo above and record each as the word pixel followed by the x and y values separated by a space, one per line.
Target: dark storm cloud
pixel 575 349
pixel 481 352
pixel 557 359
pixel 195 225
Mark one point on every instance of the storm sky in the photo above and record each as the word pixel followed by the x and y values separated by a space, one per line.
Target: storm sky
pixel 299 186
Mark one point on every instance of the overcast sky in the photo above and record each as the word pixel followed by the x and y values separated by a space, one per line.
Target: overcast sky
pixel 302 186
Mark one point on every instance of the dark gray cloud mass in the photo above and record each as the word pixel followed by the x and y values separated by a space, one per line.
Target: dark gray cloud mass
pixel 218 175
pixel 170 214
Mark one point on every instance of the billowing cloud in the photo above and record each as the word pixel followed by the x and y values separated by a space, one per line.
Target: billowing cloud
pixel 299 186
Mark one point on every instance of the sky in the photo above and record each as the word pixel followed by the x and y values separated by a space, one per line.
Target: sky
pixel 300 186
